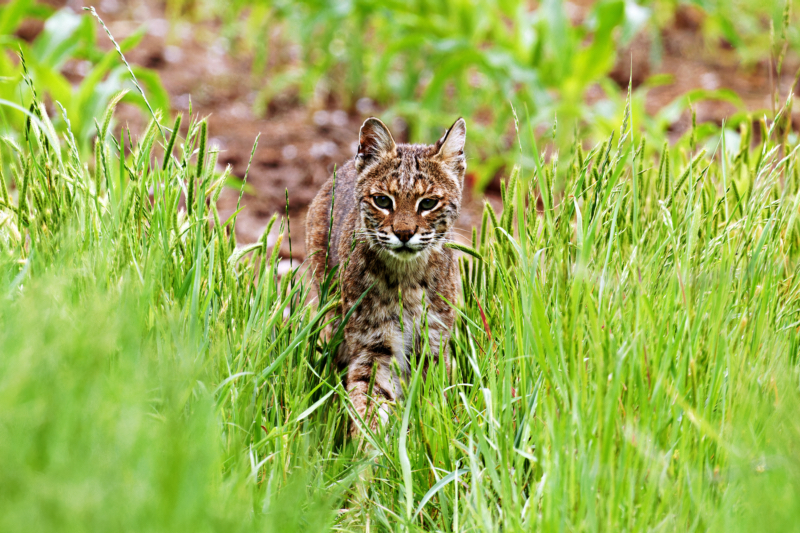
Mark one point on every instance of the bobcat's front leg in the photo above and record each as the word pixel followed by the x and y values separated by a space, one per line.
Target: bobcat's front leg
pixel 364 357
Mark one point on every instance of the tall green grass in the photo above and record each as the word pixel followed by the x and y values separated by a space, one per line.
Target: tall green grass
pixel 65 37
pixel 626 359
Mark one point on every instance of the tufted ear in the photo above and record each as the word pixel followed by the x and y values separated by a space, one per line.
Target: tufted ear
pixel 374 140
pixel 450 147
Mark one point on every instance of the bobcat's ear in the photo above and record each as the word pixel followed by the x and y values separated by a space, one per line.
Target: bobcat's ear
pixel 450 148
pixel 374 140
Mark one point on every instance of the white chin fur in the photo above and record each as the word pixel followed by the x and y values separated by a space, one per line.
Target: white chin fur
pixel 404 256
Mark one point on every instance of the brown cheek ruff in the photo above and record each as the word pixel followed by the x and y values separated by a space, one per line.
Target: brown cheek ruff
pixel 424 224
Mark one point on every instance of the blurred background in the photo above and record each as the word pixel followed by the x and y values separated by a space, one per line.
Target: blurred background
pixel 305 74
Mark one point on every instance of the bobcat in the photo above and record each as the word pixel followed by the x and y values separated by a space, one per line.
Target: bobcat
pixel 393 208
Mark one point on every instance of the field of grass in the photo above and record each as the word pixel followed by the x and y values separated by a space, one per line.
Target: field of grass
pixel 624 360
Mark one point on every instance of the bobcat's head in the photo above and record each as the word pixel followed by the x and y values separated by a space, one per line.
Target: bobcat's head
pixel 409 194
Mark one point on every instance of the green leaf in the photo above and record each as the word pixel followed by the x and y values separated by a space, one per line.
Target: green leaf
pixel 466 249
pixel 12 15
pixel 437 487
pixel 58 40
pixel 314 407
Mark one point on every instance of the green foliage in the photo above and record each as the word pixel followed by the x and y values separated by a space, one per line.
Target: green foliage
pixel 66 37
pixel 625 359
pixel 430 61
pixel 752 27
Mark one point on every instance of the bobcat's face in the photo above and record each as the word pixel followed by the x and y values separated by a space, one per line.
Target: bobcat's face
pixel 409 195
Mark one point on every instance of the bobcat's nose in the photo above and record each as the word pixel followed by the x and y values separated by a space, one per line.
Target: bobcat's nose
pixel 404 234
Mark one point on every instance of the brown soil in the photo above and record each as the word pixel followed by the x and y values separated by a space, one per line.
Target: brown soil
pixel 299 146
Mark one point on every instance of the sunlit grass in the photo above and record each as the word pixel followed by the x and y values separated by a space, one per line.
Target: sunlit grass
pixel 626 359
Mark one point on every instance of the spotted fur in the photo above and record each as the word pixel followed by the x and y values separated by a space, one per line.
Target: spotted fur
pixel 389 252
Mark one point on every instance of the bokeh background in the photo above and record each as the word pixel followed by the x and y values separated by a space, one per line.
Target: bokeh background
pixel 304 75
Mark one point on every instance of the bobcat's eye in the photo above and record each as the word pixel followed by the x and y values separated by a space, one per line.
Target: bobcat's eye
pixel 384 202
pixel 428 203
